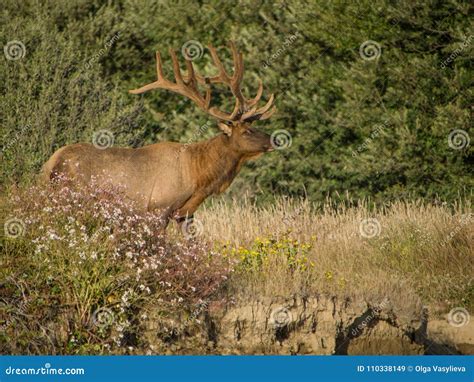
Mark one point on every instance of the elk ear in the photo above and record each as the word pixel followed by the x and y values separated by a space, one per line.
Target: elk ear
pixel 225 128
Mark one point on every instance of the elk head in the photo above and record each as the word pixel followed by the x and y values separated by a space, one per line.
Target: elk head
pixel 236 125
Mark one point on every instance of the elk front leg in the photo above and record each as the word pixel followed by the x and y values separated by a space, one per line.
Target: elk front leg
pixel 184 215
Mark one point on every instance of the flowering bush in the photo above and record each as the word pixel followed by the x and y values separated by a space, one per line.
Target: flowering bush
pixel 92 250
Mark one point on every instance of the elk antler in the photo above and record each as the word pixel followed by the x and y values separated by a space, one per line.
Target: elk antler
pixel 244 110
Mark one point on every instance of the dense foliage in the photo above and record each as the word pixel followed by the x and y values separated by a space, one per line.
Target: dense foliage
pixel 370 91
pixel 86 264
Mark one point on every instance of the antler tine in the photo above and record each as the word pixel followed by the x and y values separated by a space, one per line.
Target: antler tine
pixel 222 76
pixel 208 98
pixel 191 81
pixel 176 69
pixel 255 100
pixel 160 79
pixel 249 113
pixel 267 106
pixel 187 85
pixel 255 113
pixel 159 67
pixel 240 103
pixel 268 114
pixel 238 60
pixel 190 77
pixel 259 117
pixel 143 89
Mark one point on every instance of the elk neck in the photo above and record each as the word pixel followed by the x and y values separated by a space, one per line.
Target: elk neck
pixel 214 164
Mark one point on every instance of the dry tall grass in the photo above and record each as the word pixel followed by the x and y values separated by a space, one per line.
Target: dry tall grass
pixel 410 248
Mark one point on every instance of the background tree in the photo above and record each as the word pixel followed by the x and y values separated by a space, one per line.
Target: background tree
pixel 369 91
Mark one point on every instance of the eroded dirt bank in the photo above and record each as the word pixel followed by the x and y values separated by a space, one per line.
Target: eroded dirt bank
pixel 315 325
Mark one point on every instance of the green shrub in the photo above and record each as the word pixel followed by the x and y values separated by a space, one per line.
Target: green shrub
pixel 368 125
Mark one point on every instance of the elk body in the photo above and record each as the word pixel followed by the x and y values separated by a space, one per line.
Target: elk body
pixel 173 177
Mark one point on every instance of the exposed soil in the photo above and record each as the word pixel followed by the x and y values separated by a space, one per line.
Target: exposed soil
pixel 315 325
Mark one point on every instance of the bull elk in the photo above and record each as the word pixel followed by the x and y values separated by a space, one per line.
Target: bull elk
pixel 171 176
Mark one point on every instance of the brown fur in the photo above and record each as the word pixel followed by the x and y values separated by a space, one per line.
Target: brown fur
pixel 168 176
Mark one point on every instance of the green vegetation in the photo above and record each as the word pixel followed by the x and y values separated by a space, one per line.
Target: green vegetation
pixel 291 254
pixel 374 126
